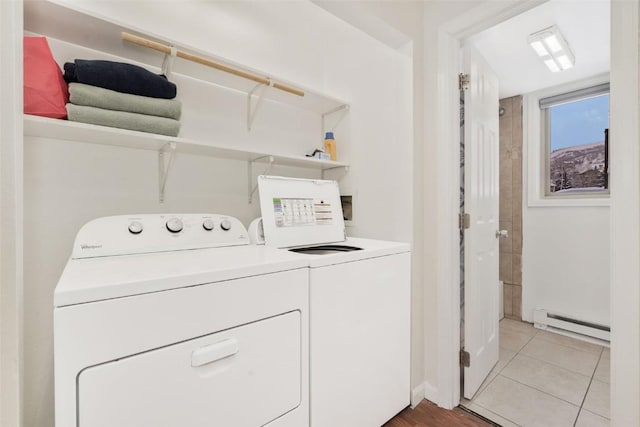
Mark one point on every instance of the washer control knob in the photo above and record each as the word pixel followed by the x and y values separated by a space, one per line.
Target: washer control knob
pixel 174 225
pixel 135 227
pixel 225 225
pixel 207 224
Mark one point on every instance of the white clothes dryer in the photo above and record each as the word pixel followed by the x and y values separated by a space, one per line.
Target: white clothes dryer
pixel 359 304
pixel 174 320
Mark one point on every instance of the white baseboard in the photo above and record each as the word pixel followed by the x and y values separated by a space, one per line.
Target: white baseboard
pixel 431 392
pixel 424 391
pixel 417 395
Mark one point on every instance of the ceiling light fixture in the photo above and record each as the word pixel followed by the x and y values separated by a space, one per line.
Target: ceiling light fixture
pixel 552 49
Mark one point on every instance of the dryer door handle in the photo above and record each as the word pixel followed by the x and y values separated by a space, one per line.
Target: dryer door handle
pixel 214 352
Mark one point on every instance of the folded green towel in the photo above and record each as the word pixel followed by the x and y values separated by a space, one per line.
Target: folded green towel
pixel 123 120
pixel 94 96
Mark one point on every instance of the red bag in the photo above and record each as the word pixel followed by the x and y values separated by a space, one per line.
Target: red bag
pixel 45 91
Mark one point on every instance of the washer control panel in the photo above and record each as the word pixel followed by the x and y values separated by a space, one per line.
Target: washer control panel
pixel 131 234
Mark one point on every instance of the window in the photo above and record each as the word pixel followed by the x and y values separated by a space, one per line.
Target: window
pixel 576 128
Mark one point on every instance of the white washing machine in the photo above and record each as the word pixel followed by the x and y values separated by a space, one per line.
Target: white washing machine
pixel 174 320
pixel 359 304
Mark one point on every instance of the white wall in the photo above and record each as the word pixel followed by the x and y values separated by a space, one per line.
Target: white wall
pixel 565 252
pixel 565 262
pixel 68 183
pixel 11 214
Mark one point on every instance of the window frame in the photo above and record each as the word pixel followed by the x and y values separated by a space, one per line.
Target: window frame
pixel 535 151
pixel 545 105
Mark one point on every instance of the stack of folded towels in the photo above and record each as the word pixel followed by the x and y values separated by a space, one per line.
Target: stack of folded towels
pixel 123 96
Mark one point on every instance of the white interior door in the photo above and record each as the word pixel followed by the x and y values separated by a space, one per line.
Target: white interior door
pixel 482 204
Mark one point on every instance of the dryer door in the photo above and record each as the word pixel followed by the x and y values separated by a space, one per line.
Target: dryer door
pixel 245 376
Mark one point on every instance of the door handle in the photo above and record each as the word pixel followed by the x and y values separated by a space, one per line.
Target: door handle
pixel 214 352
pixel 502 234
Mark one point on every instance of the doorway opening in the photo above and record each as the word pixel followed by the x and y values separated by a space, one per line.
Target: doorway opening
pixel 569 375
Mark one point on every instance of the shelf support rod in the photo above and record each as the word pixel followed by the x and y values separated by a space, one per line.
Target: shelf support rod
pixel 252 187
pixel 345 171
pixel 165 167
pixel 344 108
pixel 251 114
pixel 160 47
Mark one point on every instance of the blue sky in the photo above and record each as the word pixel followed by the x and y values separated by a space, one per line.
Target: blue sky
pixel 581 122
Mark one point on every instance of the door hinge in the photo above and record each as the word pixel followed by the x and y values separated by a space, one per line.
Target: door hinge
pixel 464 221
pixel 465 358
pixel 464 81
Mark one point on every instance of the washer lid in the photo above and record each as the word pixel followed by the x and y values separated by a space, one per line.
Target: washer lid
pixel 297 212
pixel 94 279
pixel 369 248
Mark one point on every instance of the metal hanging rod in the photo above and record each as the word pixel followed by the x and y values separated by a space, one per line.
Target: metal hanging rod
pixel 209 63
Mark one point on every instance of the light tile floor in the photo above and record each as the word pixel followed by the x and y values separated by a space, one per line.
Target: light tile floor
pixel 545 379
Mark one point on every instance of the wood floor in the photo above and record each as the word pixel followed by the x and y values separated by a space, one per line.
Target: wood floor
pixel 427 414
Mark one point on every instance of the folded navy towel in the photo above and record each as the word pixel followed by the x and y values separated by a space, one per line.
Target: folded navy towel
pixel 119 76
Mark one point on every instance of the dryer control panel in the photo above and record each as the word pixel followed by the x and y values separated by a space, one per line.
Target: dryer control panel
pixel 132 234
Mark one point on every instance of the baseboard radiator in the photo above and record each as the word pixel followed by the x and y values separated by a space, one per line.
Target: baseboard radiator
pixel 568 325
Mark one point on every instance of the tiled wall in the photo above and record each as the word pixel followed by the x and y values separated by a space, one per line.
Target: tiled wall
pixel 511 205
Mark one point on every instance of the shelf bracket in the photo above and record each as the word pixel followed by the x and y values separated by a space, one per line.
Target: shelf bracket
pixel 345 170
pixel 251 112
pixel 164 166
pixel 343 112
pixel 254 187
pixel 167 62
